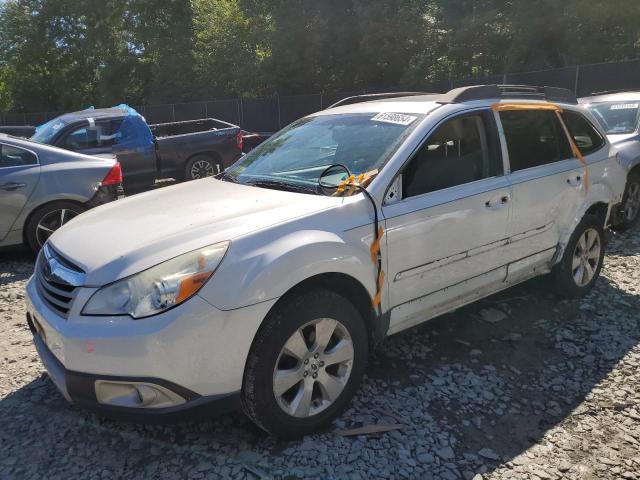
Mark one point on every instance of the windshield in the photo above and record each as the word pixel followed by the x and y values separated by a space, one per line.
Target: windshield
pixel 47 131
pixel 617 117
pixel 298 154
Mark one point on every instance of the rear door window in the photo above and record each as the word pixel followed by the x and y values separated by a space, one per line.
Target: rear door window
pixel 587 138
pixel 534 138
pixel 16 157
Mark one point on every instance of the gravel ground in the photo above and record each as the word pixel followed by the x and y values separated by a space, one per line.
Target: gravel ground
pixel 521 385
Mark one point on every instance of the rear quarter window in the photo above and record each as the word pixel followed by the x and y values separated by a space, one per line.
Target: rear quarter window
pixel 587 138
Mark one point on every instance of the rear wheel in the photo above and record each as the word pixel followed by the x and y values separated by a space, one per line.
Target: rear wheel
pixel 305 364
pixel 580 267
pixel 630 203
pixel 201 166
pixel 47 219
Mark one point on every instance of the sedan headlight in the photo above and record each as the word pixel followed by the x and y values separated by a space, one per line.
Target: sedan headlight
pixel 158 288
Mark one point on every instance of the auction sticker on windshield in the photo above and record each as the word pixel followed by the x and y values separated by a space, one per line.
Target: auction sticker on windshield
pixel 625 106
pixel 397 118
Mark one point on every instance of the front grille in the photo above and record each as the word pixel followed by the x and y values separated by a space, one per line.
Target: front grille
pixel 57 280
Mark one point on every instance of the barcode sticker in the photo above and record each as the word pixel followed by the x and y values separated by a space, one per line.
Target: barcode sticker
pixel 396 118
pixel 625 106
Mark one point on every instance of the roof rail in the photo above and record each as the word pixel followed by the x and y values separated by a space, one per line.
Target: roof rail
pixel 609 92
pixel 527 92
pixel 375 96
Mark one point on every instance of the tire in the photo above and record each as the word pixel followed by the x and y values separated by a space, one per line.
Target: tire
pixel 581 263
pixel 47 219
pixel 331 386
pixel 631 203
pixel 201 166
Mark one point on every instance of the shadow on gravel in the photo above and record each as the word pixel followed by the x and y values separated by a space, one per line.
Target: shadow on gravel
pixel 487 381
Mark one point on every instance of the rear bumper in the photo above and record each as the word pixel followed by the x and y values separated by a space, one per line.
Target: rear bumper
pixel 80 389
pixel 106 194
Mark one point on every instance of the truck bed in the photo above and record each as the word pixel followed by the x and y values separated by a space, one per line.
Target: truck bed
pixel 162 130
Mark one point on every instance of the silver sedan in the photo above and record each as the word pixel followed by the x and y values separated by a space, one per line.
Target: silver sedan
pixel 44 187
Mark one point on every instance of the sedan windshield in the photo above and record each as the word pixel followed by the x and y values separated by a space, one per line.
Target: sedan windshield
pixel 47 131
pixel 617 117
pixel 297 155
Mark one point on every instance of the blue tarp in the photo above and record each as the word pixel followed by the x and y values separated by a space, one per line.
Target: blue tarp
pixel 134 131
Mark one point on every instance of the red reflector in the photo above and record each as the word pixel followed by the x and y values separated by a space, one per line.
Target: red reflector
pixel 239 140
pixel 114 177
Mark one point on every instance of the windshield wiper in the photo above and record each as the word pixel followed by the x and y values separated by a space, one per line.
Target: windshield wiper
pixel 280 185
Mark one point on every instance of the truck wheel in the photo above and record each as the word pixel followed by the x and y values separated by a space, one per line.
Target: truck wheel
pixel 631 203
pixel 580 267
pixel 201 166
pixel 305 364
pixel 47 219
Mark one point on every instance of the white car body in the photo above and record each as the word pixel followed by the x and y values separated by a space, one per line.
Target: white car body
pixel 482 237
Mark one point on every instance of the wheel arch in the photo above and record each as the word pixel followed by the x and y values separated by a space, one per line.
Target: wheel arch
pixel 34 209
pixel 352 290
pixel 212 154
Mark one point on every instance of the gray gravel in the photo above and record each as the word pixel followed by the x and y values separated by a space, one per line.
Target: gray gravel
pixel 522 385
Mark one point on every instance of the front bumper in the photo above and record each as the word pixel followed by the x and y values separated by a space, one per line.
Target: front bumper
pixel 191 357
pixel 80 389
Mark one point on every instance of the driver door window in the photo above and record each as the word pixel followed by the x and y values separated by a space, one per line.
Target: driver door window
pixel 456 153
pixel 102 135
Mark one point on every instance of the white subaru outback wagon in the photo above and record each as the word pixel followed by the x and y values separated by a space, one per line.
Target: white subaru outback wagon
pixel 268 286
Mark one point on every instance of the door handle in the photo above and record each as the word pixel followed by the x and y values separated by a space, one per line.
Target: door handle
pixel 497 203
pixel 12 186
pixel 575 180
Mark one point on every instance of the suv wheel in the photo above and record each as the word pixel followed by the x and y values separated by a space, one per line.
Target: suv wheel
pixel 631 203
pixel 582 261
pixel 202 166
pixel 47 219
pixel 305 364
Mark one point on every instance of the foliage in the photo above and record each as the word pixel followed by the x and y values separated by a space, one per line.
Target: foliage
pixel 62 54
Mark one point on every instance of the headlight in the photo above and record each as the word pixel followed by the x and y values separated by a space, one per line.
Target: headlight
pixel 158 288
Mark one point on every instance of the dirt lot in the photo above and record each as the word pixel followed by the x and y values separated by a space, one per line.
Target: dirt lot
pixel 522 385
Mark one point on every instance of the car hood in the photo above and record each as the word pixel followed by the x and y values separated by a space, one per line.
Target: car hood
pixel 617 139
pixel 127 236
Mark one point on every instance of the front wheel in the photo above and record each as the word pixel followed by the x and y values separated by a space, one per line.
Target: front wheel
pixel 305 364
pixel 47 219
pixel 202 166
pixel 580 267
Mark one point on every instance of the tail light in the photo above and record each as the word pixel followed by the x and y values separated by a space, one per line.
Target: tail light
pixel 239 140
pixel 114 177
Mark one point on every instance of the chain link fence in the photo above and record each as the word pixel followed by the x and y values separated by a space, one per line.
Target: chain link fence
pixel 270 114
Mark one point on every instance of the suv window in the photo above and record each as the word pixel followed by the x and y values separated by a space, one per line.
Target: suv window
pixel 102 135
pixel 534 138
pixel 455 154
pixel 16 157
pixel 587 138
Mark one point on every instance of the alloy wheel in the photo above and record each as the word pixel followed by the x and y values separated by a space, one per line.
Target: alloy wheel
pixel 586 257
pixel 202 169
pixel 51 222
pixel 632 205
pixel 313 368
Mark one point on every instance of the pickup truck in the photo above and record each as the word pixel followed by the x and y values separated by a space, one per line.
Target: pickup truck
pixel 181 150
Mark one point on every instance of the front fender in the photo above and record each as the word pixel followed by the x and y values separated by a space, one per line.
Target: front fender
pixel 255 270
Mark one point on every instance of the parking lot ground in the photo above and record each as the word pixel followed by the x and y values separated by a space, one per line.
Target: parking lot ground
pixel 521 385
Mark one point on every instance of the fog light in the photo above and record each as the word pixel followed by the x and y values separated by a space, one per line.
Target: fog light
pixel 135 395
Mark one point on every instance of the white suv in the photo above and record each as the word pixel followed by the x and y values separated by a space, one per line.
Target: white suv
pixel 268 286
